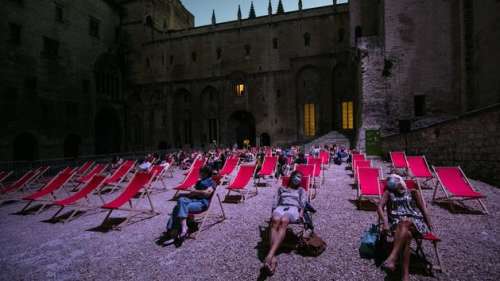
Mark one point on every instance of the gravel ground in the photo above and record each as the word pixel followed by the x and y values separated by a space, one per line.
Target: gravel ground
pixel 32 249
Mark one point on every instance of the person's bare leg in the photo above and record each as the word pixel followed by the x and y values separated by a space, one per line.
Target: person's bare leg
pixel 184 228
pixel 273 238
pixel 406 261
pixel 280 235
pixel 401 236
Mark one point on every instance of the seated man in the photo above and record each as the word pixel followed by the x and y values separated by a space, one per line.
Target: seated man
pixel 288 207
pixel 407 219
pixel 194 202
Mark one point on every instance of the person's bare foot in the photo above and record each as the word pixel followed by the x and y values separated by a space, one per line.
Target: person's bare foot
pixel 274 264
pixel 389 265
pixel 268 265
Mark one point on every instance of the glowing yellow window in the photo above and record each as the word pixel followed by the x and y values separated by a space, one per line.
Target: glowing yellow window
pixel 239 89
pixel 347 115
pixel 309 120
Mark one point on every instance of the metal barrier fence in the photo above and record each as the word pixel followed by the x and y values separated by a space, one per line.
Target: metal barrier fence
pixel 20 167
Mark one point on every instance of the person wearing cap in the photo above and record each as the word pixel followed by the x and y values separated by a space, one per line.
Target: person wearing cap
pixel 407 218
pixel 288 207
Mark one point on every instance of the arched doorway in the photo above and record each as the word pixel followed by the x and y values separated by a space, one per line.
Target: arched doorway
pixel 108 131
pixel 241 128
pixel 25 147
pixel 265 139
pixel 72 146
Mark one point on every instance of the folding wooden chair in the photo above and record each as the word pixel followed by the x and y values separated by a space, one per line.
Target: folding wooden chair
pixel 140 181
pixel 268 168
pixel 72 201
pixel 49 189
pixel 456 187
pixel 398 159
pixel 202 217
pixel 418 169
pixel 241 180
pixel 368 184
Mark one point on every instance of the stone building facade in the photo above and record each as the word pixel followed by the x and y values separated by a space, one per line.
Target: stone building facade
pixel 271 79
pixel 100 76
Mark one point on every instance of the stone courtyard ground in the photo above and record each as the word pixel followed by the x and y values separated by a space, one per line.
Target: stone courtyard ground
pixel 32 249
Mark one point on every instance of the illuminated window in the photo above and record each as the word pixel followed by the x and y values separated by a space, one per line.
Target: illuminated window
pixel 239 89
pixel 309 120
pixel 347 115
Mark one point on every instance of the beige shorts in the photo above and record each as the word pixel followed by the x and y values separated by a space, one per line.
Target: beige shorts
pixel 291 212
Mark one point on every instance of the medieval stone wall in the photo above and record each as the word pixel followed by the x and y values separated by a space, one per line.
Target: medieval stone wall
pixel 471 141
pixel 48 92
pixel 269 55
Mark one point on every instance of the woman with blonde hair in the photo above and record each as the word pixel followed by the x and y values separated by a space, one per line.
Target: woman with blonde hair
pixel 406 219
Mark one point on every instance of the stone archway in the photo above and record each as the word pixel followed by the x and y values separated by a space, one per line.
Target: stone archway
pixel 25 147
pixel 72 146
pixel 108 131
pixel 241 126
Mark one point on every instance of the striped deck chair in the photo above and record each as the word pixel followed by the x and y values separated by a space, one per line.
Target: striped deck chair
pixel 456 187
pixel 241 180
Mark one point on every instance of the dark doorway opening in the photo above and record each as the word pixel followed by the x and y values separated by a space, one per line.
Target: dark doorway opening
pixel 163 145
pixel 25 147
pixel 242 127
pixel 72 146
pixel 108 132
pixel 265 139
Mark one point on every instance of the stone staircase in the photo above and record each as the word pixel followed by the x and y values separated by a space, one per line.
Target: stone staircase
pixel 332 137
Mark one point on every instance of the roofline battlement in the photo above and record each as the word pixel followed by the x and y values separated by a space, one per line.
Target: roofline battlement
pixel 250 23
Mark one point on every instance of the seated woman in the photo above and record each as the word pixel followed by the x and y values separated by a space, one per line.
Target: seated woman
pixel 288 207
pixel 194 202
pixel 407 219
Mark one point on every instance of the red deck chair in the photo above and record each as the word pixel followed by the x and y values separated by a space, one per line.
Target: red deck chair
pixel 84 168
pixel 24 181
pixel 419 169
pixel 240 181
pixel 368 184
pixel 204 215
pixel 305 182
pixel 96 170
pixel 229 166
pixel 140 181
pixel 268 167
pixel 191 178
pixel 456 187
pixel 120 174
pixel 4 176
pixel 306 170
pixel 56 183
pixel 318 175
pixel 356 157
pixel 94 184
pixel 430 237
pixel 398 159
pixel 159 172
pixel 325 158
pixel 360 163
